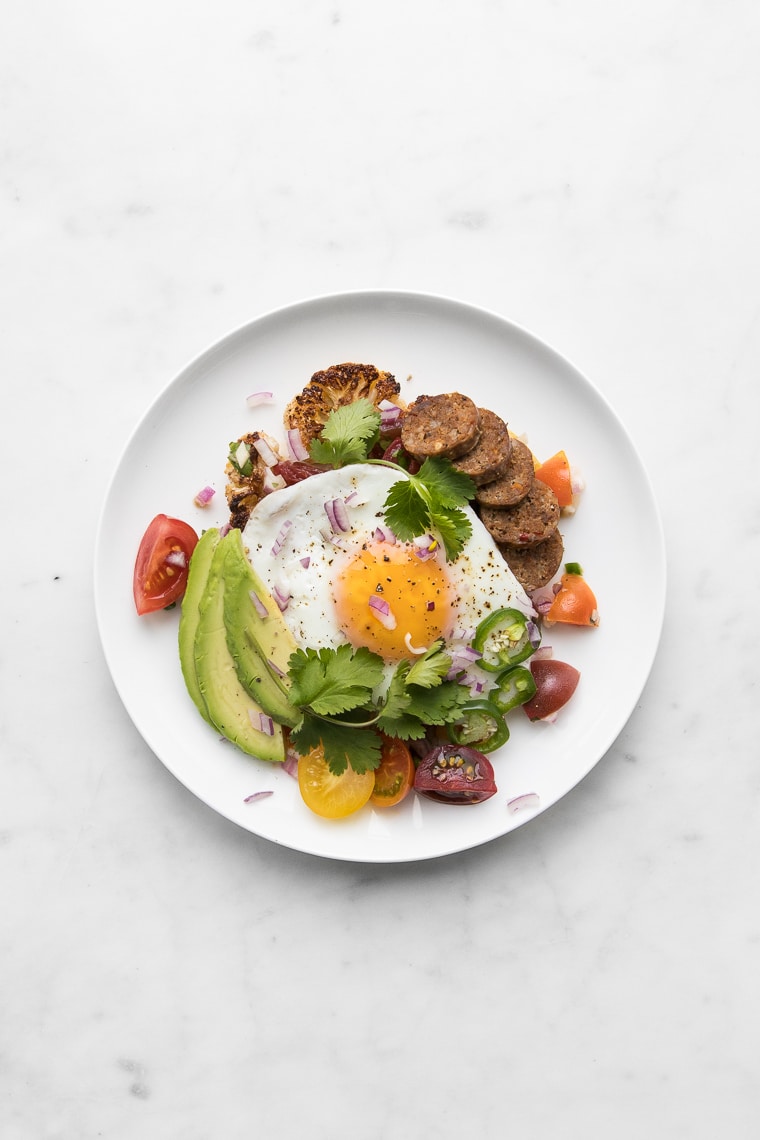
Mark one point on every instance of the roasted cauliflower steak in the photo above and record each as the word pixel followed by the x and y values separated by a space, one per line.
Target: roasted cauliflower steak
pixel 332 388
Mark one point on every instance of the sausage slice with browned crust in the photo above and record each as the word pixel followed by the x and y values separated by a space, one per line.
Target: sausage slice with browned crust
pixel 514 482
pixel 446 426
pixel 530 521
pixel 490 455
pixel 535 566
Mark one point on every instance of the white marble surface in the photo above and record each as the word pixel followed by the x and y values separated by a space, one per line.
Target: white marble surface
pixel 170 170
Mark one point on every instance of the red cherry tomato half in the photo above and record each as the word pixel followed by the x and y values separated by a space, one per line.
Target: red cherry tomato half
pixel 556 681
pixel 394 775
pixel 162 564
pixel 453 775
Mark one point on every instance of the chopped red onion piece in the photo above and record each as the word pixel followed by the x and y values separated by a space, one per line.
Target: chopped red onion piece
pixel 255 796
pixel 177 558
pixel 262 722
pixel 305 561
pixel 520 803
pixel 257 398
pixel 382 611
pixel 282 599
pixel 534 634
pixel 430 606
pixel 274 667
pixel 278 542
pixel 259 606
pixel 204 497
pixel 425 547
pixel 543 653
pixel 224 530
pixel 290 763
pixel 265 451
pixel 272 482
pixel 390 415
pixel 336 511
pixel 296 445
pixel 384 534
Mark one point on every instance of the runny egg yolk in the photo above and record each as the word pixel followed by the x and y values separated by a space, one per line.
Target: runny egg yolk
pixel 391 601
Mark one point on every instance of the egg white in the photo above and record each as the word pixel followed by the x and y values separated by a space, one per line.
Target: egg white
pixel 293 548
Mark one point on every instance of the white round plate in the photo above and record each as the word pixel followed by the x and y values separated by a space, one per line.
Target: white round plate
pixel 431 344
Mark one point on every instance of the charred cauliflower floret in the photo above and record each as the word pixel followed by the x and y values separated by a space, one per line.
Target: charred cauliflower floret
pixel 335 386
pixel 246 475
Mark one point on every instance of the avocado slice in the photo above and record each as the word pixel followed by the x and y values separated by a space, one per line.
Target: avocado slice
pixel 200 563
pixel 254 639
pixel 231 708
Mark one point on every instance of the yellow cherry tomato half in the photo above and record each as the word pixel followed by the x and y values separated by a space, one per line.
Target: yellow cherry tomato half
pixel 332 797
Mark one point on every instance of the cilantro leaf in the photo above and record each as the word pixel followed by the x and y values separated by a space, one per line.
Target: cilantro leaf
pixel 331 681
pixel 343 744
pixel 349 434
pixel 432 500
pixel 430 668
pixel 446 486
pixel 454 528
pixel 440 705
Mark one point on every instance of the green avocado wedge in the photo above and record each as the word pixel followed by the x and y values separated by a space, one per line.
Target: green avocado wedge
pixel 256 638
pixel 230 707
pixel 200 564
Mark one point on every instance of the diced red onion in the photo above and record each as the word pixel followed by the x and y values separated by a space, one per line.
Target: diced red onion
pixel 350 497
pixel 204 497
pixel 296 444
pixel 282 599
pixel 382 611
pixel 258 605
pixel 262 722
pixel 177 558
pixel 278 542
pixel 534 634
pixel 336 511
pixel 520 803
pixel 255 796
pixel 425 547
pixel 543 653
pixel 384 534
pixel 430 607
pixel 542 599
pixel 265 451
pixel 290 763
pixel 272 482
pixel 223 530
pixel 305 561
pixel 257 398
pixel 577 482
pixel 275 668
pixel 390 414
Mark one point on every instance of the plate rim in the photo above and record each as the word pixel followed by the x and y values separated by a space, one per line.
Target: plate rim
pixel 367 296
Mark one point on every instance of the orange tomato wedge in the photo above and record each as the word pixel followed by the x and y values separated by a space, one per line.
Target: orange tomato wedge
pixel 330 796
pixel 575 603
pixel 395 774
pixel 555 473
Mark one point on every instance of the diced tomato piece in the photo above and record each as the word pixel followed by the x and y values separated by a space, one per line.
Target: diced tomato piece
pixel 555 473
pixel 575 603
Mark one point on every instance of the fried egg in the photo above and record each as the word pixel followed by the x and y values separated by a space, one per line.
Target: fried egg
pixel 338 574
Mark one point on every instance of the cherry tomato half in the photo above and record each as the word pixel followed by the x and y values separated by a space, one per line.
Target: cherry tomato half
pixel 575 603
pixel 394 775
pixel 330 796
pixel 162 564
pixel 555 473
pixel 556 681
pixel 451 774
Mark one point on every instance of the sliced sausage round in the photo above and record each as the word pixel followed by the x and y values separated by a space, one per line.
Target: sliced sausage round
pixel 530 521
pixel 447 426
pixel 535 566
pixel 490 455
pixel 514 482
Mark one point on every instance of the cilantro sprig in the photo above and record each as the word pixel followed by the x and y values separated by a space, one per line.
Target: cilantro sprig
pixel 431 500
pixel 335 690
